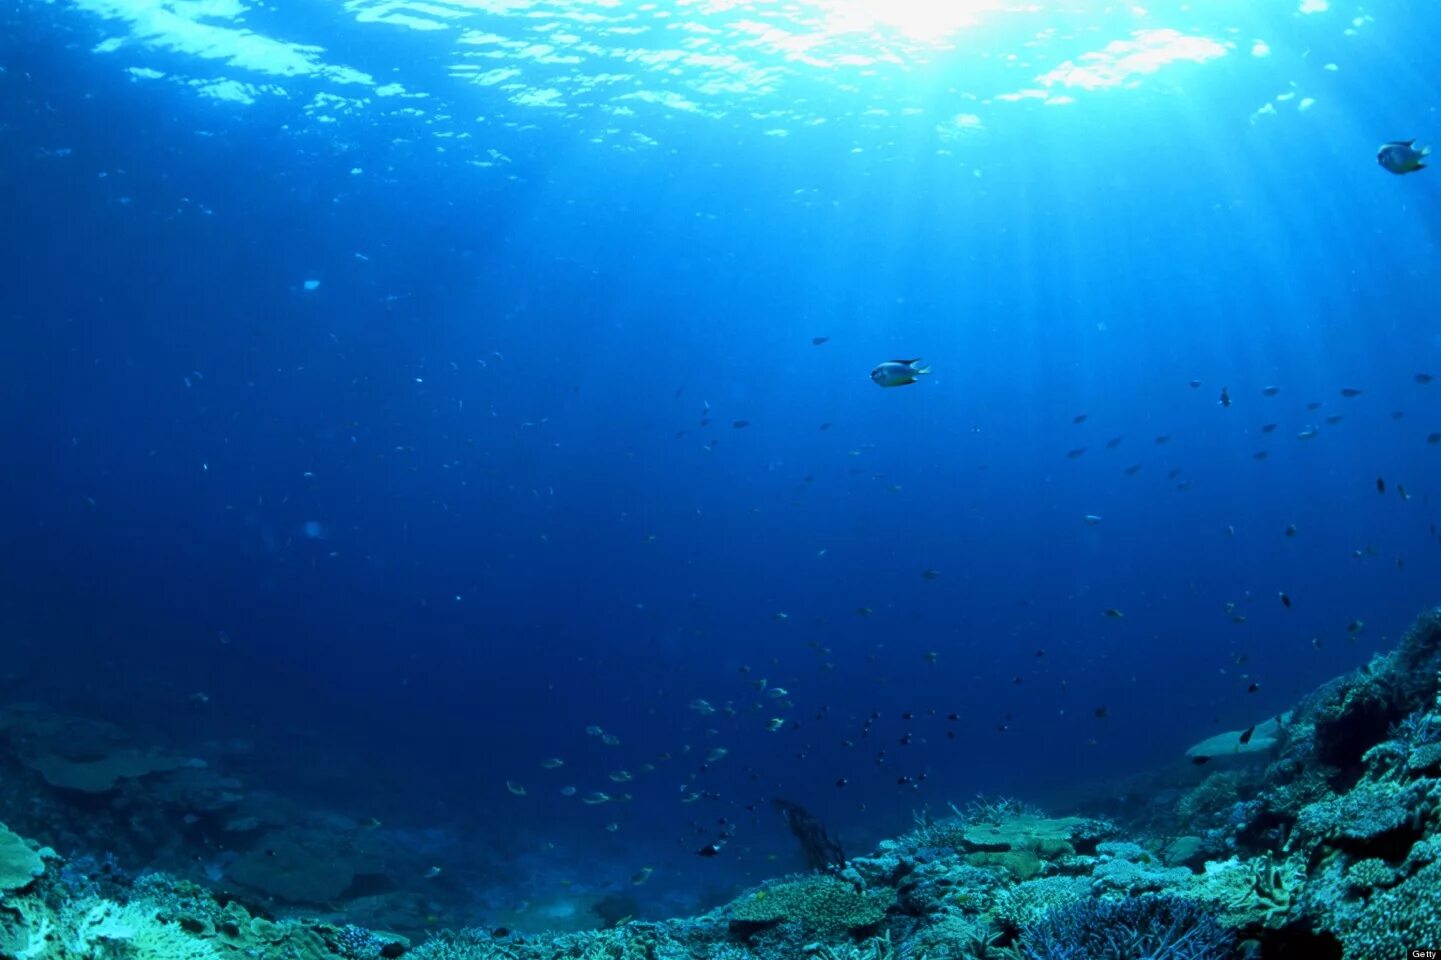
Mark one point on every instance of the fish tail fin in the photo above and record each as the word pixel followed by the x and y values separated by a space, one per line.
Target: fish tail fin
pixel 919 368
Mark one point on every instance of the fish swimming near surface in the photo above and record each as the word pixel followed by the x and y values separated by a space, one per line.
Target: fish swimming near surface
pixel 899 373
pixel 1401 156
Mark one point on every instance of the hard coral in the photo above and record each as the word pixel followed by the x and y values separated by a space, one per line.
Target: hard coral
pixel 1157 927
pixel 820 903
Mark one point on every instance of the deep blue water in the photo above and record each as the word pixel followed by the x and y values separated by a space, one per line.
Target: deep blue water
pixel 414 529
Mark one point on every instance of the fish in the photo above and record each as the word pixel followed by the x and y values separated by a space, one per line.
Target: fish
pixel 1092 519
pixel 1163 438
pixel 1225 400
pixel 1194 384
pixel 1270 391
pixel 641 876
pixel 710 849
pixel 841 782
pixel 1133 469
pixel 1434 439
pixel 1073 454
pixel 1113 613
pixel 1260 455
pixel 1268 428
pixel 515 788
pixel 1423 378
pixel 930 574
pixel 1380 484
pixel 1285 600
pixel 899 373
pixel 1350 392
pixel 1402 156
pixel 1080 418
pixel 740 424
pixel 1253 687
pixel 1290 529
pixel 1114 442
pixel 610 739
pixel 817 341
pixel 1335 418
pixel 595 799
pixel 567 791
pixel 593 731
pixel 552 763
pixel 1100 713
pixel 1308 433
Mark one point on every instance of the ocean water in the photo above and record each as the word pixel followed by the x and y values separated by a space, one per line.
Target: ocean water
pixel 395 390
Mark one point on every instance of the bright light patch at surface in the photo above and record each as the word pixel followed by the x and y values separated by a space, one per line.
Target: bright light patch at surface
pixel 927 21
pixel 1122 62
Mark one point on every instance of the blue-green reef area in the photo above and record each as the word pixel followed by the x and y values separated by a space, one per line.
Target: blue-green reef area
pixel 1315 834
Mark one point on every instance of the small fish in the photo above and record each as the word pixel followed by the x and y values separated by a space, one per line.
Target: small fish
pixel 1270 391
pixel 1434 439
pixel 432 873
pixel 1268 428
pixel 1113 613
pixel 1401 491
pixel 1133 469
pixel 515 788
pixel 864 611
pixel 1246 734
pixel 1080 418
pixel 1092 519
pixel 641 876
pixel 899 373
pixel 774 724
pixel 595 799
pixel 1253 687
pixel 1335 418
pixel 931 656
pixel 1423 378
pixel 593 731
pixel 612 828
pixel 1260 455
pixel 552 763
pixel 1114 442
pixel 740 424
pixel 1308 433
pixel 1073 454
pixel 1285 600
pixel 1290 530
pixel 1194 384
pixel 1100 713
pixel 1401 156
pixel 567 791
pixel 1380 484
pixel 1350 392
pixel 710 849
pixel 620 776
pixel 1225 400
pixel 1356 626
pixel 930 574
pixel 1163 438
pixel 841 782
pixel 610 739
pixel 817 341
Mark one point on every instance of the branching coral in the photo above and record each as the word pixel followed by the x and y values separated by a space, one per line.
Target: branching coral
pixel 1155 927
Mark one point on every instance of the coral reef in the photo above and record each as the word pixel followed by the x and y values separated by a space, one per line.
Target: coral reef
pixel 1325 843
